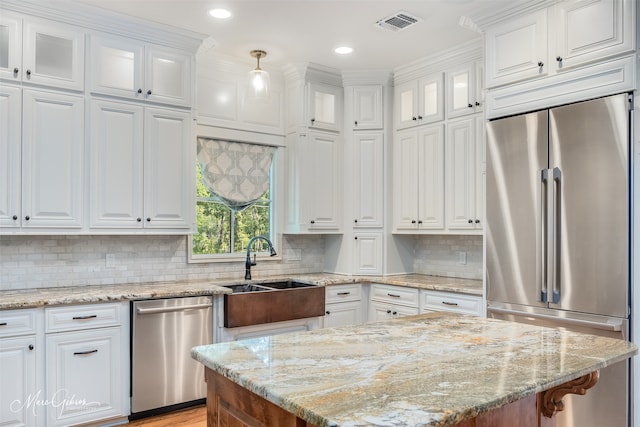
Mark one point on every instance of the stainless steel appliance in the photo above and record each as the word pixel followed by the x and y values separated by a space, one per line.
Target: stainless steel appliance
pixel 163 374
pixel 557 233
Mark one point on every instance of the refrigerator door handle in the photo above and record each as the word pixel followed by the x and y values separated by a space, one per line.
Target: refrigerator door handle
pixel 544 224
pixel 615 326
pixel 556 283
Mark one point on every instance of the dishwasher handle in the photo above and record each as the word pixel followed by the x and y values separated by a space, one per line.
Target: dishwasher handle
pixel 142 310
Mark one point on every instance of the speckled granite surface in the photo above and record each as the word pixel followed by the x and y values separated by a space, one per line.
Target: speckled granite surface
pixel 94 294
pixel 434 369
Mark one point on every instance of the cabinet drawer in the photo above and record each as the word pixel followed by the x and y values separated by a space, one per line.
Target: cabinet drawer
pixel 446 301
pixel 339 293
pixel 72 318
pixel 395 294
pixel 17 322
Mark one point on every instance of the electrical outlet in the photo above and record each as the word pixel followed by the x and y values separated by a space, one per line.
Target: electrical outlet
pixel 462 257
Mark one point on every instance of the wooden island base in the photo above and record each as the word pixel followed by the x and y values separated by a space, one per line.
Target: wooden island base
pixel 230 405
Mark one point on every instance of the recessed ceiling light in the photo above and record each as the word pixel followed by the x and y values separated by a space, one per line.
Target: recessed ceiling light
pixel 220 13
pixel 343 50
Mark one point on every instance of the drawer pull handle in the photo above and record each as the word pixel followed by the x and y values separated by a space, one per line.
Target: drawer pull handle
pixel 449 303
pixel 83 353
pixel 3 324
pixel 394 295
pixel 344 293
pixel 92 316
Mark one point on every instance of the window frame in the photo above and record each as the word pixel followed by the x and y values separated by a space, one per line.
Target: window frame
pixel 276 238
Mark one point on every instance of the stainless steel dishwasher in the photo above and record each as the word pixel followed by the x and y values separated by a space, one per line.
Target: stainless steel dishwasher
pixel 163 374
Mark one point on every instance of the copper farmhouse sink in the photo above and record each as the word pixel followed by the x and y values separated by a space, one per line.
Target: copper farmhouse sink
pixel 251 304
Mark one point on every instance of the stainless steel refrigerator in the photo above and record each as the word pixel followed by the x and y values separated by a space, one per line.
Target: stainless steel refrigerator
pixel 557 233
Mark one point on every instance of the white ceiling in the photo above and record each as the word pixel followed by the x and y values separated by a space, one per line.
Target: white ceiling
pixel 308 30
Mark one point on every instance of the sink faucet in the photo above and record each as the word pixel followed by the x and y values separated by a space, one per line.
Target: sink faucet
pixel 248 263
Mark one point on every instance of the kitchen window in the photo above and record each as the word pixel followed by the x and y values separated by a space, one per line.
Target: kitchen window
pixel 223 231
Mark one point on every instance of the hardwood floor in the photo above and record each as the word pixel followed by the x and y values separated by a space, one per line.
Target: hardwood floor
pixel 190 417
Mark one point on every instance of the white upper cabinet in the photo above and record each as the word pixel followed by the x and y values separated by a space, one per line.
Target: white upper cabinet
pixel 368 253
pixel 565 36
pixel 367 107
pixel 419 102
pixel 325 107
pixel 124 68
pixel 464 89
pixel 368 197
pixel 52 160
pixel 10 147
pixel 41 52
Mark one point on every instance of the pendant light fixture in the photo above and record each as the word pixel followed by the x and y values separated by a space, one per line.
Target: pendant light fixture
pixel 258 78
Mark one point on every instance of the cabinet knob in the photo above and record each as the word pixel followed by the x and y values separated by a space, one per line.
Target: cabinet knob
pixel 477 104
pixel 139 90
pixel 540 64
pixel 139 219
pixel 15 217
pixel 148 219
pixel 15 70
pixel 355 220
pixel 149 92
pixel 356 237
pixel 413 221
pixel 27 218
pixel 419 221
pixel 31 347
pixel 313 222
pixel 313 121
pixel 394 313
pixel 355 123
pixel 388 311
pixel 419 117
pixel 559 58
pixel 470 221
pixel 327 312
pixel 470 105
pixel 477 221
pixel 28 73
pixel 414 118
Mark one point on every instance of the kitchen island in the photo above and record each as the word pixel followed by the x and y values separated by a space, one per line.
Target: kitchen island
pixel 435 369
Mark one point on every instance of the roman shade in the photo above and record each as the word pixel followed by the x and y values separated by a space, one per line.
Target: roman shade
pixel 236 173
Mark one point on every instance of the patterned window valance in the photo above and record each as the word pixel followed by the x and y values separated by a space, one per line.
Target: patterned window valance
pixel 236 173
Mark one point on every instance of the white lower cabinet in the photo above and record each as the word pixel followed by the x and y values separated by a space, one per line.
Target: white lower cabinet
pixel 389 301
pixel 86 363
pixel 449 301
pixel 343 305
pixel 19 351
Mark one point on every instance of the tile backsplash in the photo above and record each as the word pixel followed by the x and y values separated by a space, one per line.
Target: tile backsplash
pixel 440 255
pixel 29 262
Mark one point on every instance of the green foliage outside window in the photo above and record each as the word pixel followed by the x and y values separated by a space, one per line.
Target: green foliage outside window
pixel 222 231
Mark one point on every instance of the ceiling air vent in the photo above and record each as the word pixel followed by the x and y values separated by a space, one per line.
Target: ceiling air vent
pixel 398 21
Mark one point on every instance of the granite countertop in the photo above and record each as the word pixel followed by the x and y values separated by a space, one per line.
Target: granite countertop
pixel 26 298
pixel 433 369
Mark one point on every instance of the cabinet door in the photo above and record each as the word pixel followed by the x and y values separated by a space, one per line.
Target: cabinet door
pixel 430 99
pixel 481 171
pixel 116 67
pixel 325 107
pixel 367 107
pixel 167 76
pixel 461 86
pixel 368 253
pixel 343 314
pixel 324 181
pixel 53 55
pixel 18 381
pixel 461 178
pixel 406 105
pixel 369 176
pixel 431 178
pixel 405 183
pixel 586 31
pixel 115 165
pixel 52 160
pixel 83 370
pixel 169 169
pixel 10 47
pixel 10 143
pixel 517 49
pixel 379 311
